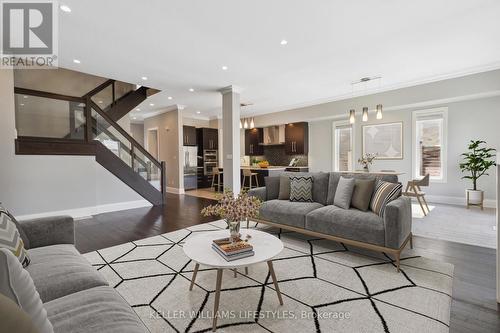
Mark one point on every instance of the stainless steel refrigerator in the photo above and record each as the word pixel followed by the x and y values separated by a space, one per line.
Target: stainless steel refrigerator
pixel 190 167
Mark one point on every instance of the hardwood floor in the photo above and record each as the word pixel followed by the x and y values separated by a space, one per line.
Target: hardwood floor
pixel 105 230
pixel 474 307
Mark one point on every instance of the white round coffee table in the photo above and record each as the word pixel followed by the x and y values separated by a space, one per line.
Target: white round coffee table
pixel 199 249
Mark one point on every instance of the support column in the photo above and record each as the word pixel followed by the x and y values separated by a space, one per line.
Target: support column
pixel 231 137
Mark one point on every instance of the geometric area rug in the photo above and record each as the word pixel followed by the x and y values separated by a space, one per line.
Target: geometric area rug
pixel 326 287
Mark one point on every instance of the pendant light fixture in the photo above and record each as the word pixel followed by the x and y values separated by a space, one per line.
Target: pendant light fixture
pixel 379 111
pixel 352 116
pixel 245 124
pixel 365 114
pixel 252 123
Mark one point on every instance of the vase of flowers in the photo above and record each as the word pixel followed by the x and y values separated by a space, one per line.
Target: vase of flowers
pixel 234 209
pixel 366 160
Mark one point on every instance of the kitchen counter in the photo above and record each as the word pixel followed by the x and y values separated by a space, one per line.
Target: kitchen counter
pixel 273 167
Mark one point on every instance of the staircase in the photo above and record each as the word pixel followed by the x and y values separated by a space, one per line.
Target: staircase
pixel 93 131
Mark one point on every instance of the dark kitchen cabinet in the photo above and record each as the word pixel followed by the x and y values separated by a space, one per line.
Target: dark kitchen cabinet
pixel 208 138
pixel 253 142
pixel 297 138
pixel 189 135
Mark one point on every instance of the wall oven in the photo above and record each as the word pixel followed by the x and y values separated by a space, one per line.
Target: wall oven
pixel 210 161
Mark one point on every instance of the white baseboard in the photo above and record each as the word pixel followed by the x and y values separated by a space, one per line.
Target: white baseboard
pixel 458 201
pixel 174 190
pixel 88 212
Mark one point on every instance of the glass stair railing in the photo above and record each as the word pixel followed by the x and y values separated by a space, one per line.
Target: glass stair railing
pixel 64 123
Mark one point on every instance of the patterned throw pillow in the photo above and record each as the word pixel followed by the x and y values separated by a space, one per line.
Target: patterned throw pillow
pixel 10 238
pixel 24 237
pixel 301 189
pixel 384 193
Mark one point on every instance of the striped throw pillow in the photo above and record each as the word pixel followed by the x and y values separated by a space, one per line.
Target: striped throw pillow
pixel 384 193
pixel 301 189
pixel 10 238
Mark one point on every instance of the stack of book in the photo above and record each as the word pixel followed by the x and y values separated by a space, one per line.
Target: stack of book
pixel 232 250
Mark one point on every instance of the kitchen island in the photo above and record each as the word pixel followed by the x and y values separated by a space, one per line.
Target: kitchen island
pixel 271 171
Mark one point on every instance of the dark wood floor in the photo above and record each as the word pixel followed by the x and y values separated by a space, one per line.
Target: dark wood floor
pixel 474 308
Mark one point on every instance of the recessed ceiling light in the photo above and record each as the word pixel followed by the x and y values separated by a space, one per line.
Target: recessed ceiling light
pixel 76 61
pixel 151 104
pixel 134 118
pixel 25 96
pixel 65 8
pixel 100 102
pixel 224 68
pixel 169 97
pixel 191 89
pixel 144 78
pixel 284 42
pixel 137 109
pixel 198 112
pixel 21 104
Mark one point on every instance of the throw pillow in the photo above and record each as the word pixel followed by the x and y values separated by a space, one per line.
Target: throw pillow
pixel 343 194
pixel 10 238
pixel 363 190
pixel 13 318
pixel 19 287
pixel 301 189
pixel 284 193
pixel 272 187
pixel 384 193
pixel 24 237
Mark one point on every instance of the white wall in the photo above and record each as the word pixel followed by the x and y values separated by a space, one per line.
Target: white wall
pixel 473 113
pixel 170 133
pixel 196 122
pixel 44 184
pixel 137 132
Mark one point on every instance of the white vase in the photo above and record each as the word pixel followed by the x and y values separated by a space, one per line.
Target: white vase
pixel 475 196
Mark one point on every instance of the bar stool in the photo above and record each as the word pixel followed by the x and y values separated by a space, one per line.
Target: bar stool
pixel 247 173
pixel 219 174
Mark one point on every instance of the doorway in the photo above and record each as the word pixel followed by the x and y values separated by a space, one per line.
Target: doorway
pixel 153 147
pixel 152 142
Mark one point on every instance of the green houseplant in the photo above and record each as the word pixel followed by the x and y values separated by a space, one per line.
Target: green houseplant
pixel 476 163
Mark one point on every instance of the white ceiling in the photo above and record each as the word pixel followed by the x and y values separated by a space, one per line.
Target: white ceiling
pixel 183 44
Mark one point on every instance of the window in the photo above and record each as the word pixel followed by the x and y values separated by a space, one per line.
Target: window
pixel 343 143
pixel 429 144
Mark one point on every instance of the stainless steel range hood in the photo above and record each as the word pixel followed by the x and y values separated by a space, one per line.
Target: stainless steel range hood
pixel 274 135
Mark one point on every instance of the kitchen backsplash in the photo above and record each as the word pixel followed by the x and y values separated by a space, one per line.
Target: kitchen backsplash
pixel 276 156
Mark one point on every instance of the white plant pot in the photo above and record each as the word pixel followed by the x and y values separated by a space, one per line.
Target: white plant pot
pixel 475 196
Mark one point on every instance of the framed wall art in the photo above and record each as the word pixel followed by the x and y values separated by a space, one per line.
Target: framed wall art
pixel 385 140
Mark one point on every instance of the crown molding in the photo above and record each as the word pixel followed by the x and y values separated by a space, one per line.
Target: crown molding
pixel 406 84
pixel 424 104
pixel 175 107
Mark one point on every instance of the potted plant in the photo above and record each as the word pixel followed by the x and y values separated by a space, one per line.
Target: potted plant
pixel 234 209
pixel 476 163
pixel 366 160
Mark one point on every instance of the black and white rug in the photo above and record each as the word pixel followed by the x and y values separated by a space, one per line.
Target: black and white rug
pixel 326 287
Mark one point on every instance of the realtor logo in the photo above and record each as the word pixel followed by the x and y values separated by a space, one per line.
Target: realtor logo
pixel 29 34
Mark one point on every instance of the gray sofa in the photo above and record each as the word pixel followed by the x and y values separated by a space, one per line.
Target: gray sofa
pixel 76 296
pixel 389 233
